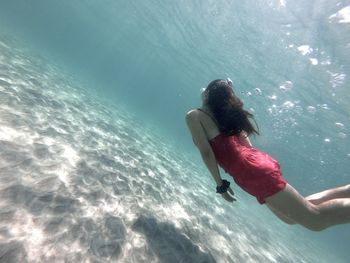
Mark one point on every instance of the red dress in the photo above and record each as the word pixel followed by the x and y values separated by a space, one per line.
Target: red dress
pixel 254 171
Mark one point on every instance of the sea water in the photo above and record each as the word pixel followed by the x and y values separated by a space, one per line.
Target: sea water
pixel 96 161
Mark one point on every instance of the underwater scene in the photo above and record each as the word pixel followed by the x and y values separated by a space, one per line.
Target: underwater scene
pixel 96 161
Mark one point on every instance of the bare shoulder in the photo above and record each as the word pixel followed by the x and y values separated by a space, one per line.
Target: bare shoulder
pixel 192 115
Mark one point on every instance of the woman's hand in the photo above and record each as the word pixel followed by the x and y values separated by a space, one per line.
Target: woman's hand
pixel 228 196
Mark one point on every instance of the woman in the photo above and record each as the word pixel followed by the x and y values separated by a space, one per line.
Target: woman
pixel 220 130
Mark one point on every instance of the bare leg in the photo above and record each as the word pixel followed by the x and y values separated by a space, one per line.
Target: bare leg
pixel 292 205
pixel 281 216
pixel 329 194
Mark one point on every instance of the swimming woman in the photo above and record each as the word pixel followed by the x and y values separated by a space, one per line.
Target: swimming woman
pixel 220 130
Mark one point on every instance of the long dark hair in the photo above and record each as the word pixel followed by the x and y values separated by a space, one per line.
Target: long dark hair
pixel 228 109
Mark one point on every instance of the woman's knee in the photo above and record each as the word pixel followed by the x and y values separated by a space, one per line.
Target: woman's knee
pixel 313 220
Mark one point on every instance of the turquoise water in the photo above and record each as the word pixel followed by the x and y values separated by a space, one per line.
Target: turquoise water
pixel 96 161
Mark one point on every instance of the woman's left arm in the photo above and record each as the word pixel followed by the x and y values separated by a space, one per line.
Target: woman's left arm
pixel 201 141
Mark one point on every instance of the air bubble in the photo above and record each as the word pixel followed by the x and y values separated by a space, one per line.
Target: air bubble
pixel 339 125
pixel 273 97
pixel 287 85
pixel 327 140
pixel 272 109
pixel 305 49
pixel 342 135
pixel 324 106
pixel 326 62
pixel 342 15
pixel 314 61
pixel 258 91
pixel 311 109
pixel 288 104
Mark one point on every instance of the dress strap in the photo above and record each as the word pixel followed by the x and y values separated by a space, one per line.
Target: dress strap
pixel 209 116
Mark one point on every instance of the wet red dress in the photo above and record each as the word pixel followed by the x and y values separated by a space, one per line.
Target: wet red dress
pixel 254 171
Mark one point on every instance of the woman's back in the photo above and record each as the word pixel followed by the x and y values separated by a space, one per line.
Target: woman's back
pixel 209 123
pixel 254 171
